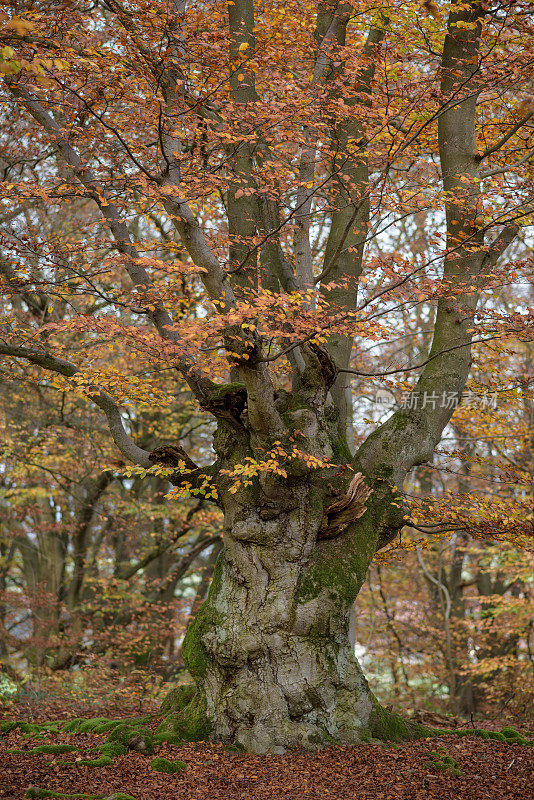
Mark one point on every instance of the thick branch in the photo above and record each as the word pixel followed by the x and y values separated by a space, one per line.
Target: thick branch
pixel 349 220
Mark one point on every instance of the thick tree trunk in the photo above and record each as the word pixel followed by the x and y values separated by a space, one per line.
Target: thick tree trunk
pixel 270 648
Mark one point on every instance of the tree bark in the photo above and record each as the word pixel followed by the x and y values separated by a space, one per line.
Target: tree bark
pixel 270 648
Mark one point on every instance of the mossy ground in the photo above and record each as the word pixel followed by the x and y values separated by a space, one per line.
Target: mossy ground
pixel 492 768
pixel 387 726
pixel 53 749
pixel 186 721
pixel 35 792
pixel 444 763
pixel 169 767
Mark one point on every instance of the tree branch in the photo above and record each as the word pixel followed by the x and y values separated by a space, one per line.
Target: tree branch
pixel 119 230
pixel 54 364
pixel 499 143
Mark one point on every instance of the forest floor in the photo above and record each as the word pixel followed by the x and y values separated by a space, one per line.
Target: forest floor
pixel 484 769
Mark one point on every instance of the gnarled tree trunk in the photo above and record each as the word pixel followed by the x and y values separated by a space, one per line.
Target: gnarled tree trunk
pixel 270 649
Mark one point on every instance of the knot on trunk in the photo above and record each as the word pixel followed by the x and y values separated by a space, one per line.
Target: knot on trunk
pixel 344 510
pixel 170 455
pixel 227 402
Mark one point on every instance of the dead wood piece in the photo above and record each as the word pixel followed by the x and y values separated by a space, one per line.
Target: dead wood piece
pixel 342 511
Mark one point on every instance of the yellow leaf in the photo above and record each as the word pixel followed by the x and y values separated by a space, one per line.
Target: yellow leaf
pixel 20 26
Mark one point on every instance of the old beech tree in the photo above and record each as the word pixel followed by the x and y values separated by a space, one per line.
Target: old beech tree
pixel 239 163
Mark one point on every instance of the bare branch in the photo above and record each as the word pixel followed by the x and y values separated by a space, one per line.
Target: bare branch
pixel 498 144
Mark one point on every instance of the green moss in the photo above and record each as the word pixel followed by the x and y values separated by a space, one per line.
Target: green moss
pixel 33 791
pixel 169 767
pixel 112 749
pixel 497 736
pixel 177 698
pixel 120 796
pixel 190 724
pixel 511 735
pixel 97 724
pixel 399 421
pixel 104 727
pixel 144 720
pixel 7 725
pixel 126 732
pixel 444 764
pixel 89 725
pixel 388 726
pixel 193 651
pixel 72 725
pixel 340 448
pixel 52 749
pixel 342 568
pixel 219 392
pixel 30 729
pixel 101 761
pixel 234 748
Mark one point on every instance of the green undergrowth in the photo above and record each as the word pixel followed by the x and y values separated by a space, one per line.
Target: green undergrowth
pixel 122 735
pixel 135 736
pixel 112 749
pixel 177 698
pixel 33 791
pixel 169 767
pixel 185 720
pixel 507 735
pixel 188 721
pixel 29 729
pixel 120 796
pixel 102 724
pixel 53 749
pixel 390 727
pixel 101 761
pixel 234 748
pixel 36 792
pixel 444 763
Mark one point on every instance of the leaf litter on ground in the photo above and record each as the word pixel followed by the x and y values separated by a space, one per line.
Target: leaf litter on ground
pixel 444 767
